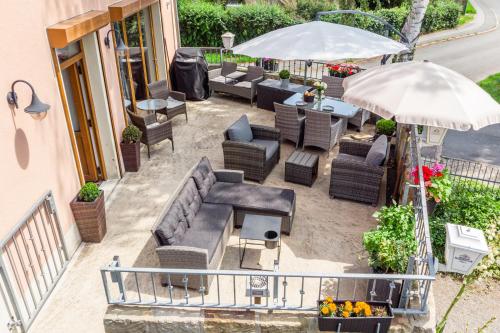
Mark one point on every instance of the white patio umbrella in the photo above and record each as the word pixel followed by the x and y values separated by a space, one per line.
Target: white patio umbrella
pixel 319 40
pixel 422 93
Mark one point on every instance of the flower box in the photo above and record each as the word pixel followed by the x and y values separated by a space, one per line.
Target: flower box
pixel 370 324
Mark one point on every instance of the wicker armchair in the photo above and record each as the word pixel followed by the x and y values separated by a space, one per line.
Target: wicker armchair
pixel 351 177
pixel 251 156
pixel 152 131
pixel 336 90
pixel 321 130
pixel 176 100
pixel 289 122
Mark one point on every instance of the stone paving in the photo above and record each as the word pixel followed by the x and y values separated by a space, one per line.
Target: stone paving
pixel 326 235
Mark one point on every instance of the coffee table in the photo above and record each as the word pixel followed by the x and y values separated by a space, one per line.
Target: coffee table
pixel 261 228
pixel 301 167
pixel 152 105
pixel 270 91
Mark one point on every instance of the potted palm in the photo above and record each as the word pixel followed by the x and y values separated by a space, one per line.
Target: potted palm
pixel 130 147
pixel 390 246
pixel 89 212
pixel 354 316
pixel 284 77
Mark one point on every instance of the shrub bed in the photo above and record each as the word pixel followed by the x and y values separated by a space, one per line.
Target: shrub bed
pixel 478 208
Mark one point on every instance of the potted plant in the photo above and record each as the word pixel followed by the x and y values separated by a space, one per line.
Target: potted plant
pixel 385 127
pixel 343 70
pixel 437 183
pixel 89 212
pixel 284 77
pixel 389 246
pixel 354 316
pixel 130 147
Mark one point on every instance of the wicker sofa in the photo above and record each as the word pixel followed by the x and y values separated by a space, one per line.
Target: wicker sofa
pixel 193 229
pixel 246 86
pixel 256 153
pixel 358 170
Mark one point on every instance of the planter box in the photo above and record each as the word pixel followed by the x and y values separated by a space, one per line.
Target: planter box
pixel 131 154
pixel 90 218
pixel 357 324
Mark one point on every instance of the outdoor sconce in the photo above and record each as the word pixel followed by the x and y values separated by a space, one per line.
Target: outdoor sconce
pixel 37 109
pixel 121 48
pixel 228 40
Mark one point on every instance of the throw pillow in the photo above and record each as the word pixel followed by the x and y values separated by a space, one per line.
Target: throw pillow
pixel 240 130
pixel 376 154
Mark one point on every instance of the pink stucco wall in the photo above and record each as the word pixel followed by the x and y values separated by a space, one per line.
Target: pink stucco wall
pixel 36 155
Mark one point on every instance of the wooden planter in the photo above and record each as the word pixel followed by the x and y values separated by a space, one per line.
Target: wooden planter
pixel 357 324
pixel 131 154
pixel 90 218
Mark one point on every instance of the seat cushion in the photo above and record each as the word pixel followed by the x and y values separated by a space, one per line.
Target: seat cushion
pixel 274 200
pixel 208 227
pixel 376 154
pixel 351 157
pixel 204 177
pixel 271 146
pixel 222 79
pixel 244 84
pixel 173 103
pixel 189 200
pixel 172 229
pixel 240 130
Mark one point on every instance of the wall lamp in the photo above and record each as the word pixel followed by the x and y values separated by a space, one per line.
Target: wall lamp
pixel 121 48
pixel 37 109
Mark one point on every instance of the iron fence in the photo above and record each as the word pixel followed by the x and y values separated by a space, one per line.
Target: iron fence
pixel 408 293
pixel 33 257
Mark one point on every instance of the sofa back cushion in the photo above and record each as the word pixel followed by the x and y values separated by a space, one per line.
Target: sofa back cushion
pixel 204 177
pixel 240 130
pixel 189 200
pixel 376 154
pixel 173 227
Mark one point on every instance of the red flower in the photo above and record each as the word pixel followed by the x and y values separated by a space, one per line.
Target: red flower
pixel 427 175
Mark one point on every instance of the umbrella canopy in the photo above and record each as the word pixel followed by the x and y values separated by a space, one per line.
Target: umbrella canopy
pixel 422 93
pixel 319 40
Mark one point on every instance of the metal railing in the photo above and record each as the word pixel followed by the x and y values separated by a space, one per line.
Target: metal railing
pixel 33 257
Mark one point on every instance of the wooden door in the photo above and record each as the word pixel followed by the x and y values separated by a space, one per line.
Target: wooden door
pixel 82 132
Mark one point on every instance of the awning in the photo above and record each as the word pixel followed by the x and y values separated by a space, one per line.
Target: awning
pixel 123 9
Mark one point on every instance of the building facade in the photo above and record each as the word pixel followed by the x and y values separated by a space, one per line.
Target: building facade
pixel 89 60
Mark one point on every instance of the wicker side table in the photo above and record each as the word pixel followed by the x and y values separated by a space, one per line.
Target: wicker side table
pixel 301 168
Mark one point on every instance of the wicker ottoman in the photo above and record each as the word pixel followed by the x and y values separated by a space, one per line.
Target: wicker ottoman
pixel 301 168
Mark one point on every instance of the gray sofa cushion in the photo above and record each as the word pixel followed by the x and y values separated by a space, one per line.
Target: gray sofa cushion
pixel 349 157
pixel 377 152
pixel 271 146
pixel 208 227
pixel 189 200
pixel 253 197
pixel 204 177
pixel 240 130
pixel 172 229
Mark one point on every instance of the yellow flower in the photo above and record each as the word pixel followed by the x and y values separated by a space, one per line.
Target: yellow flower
pixel 332 307
pixel 345 314
pixel 368 311
pixel 356 310
pixel 325 311
pixel 328 300
pixel 348 306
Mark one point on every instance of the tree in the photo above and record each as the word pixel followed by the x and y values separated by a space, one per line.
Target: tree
pixel 413 25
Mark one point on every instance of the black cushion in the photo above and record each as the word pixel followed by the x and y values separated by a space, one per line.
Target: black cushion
pixel 377 152
pixel 240 130
pixel 204 177
pixel 271 146
pixel 172 229
pixel 208 227
pixel 248 196
pixel 190 200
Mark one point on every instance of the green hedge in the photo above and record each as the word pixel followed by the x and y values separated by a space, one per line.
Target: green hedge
pixel 202 23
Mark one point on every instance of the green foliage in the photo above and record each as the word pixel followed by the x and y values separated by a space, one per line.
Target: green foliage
pixel 470 8
pixel 201 23
pixel 284 74
pixel 440 188
pixel 214 58
pixel 307 9
pixel 441 15
pixel 471 205
pixel 131 134
pixel 492 86
pixel 89 192
pixel 393 242
pixel 385 126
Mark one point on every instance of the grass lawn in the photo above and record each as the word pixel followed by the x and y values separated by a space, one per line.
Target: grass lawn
pixel 470 12
pixel 492 85
pixel 214 58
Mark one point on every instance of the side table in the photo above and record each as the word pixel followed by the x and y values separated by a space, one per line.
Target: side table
pixel 301 168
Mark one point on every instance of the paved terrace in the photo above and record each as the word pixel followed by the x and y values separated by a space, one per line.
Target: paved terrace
pixel 326 235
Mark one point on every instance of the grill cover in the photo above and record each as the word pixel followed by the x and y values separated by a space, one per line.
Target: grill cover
pixel 189 73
